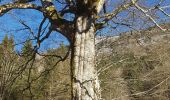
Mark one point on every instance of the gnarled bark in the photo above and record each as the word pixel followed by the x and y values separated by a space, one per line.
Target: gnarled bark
pixel 85 81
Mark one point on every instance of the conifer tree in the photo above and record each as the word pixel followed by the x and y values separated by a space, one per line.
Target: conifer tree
pixel 27 49
pixel 5 41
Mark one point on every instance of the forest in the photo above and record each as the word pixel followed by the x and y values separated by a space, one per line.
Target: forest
pixel 84 50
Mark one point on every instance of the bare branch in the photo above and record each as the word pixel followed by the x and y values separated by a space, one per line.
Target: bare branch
pixel 7 7
pixel 23 23
pixel 146 14
pixel 145 92
pixel 116 11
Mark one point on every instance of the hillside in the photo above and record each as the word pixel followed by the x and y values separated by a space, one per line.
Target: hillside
pixel 135 65
pixel 132 66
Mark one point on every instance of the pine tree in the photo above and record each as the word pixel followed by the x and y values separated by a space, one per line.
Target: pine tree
pixel 7 46
pixel 11 43
pixel 5 41
pixel 27 50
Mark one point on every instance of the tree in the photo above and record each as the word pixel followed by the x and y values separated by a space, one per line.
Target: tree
pixel 27 50
pixel 7 66
pixel 8 44
pixel 80 32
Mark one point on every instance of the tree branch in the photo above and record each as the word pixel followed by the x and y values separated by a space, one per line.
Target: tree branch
pixel 7 7
pixel 146 14
pixel 109 16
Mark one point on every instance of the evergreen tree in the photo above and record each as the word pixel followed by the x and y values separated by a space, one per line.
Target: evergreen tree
pixel 5 41
pixel 11 43
pixel 8 43
pixel 27 50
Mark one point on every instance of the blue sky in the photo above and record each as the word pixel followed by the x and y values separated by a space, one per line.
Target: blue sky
pixel 9 25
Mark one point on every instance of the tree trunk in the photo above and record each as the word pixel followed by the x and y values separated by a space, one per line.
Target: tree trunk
pixel 84 77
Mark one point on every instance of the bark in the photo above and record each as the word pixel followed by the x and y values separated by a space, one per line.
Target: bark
pixel 7 7
pixel 85 81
